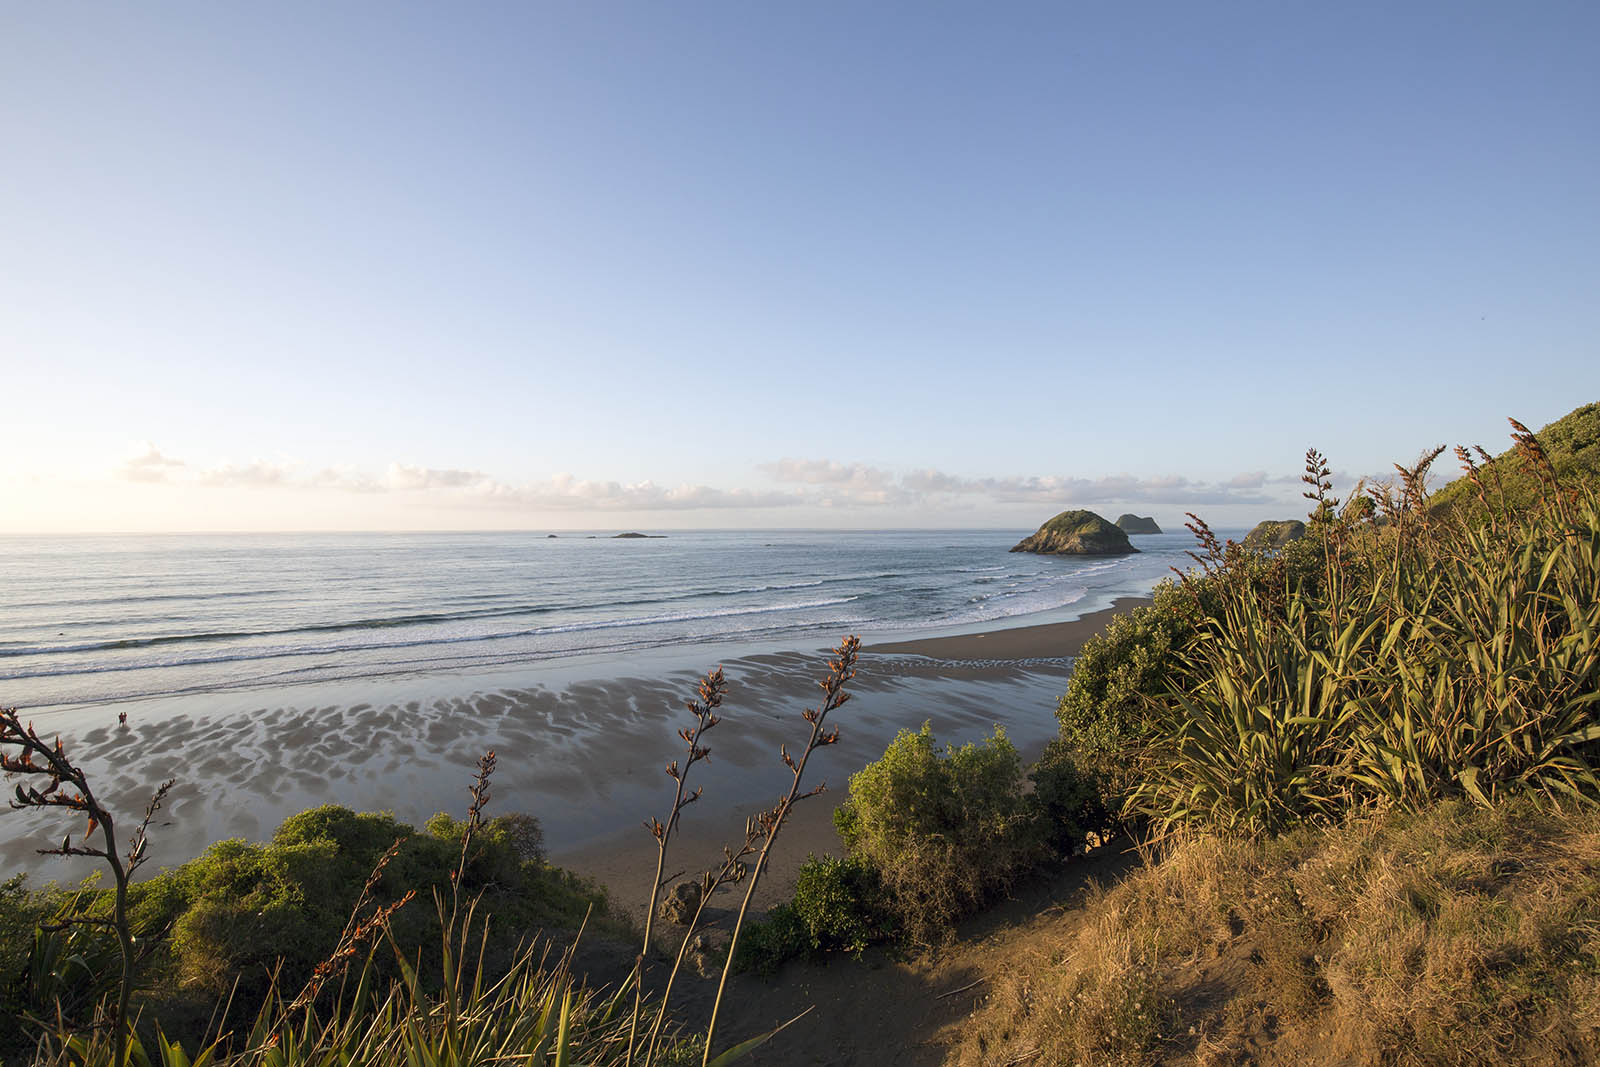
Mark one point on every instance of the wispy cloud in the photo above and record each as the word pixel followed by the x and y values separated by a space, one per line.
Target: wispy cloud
pixel 257 475
pixel 816 483
pixel 566 492
pixel 149 466
pixel 1171 489
pixel 827 472
pixel 405 476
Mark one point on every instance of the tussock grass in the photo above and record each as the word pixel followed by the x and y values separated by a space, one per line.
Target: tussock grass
pixel 1455 935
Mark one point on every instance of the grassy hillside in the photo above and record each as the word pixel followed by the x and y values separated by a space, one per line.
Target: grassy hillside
pixel 1458 935
pixel 1370 765
pixel 1573 444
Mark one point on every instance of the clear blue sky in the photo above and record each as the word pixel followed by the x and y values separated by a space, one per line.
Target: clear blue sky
pixel 603 264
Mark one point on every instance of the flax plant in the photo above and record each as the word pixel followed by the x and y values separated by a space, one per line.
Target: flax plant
pixel 712 689
pixel 66 786
pixel 1256 744
pixel 1430 657
pixel 841 669
pixel 1493 670
pixel 732 871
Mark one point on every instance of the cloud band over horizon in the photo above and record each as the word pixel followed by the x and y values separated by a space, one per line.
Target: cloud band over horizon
pixel 816 483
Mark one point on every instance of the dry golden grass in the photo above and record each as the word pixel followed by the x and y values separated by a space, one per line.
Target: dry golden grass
pixel 1454 936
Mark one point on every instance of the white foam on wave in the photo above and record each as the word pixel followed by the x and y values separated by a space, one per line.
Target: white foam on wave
pixel 279 651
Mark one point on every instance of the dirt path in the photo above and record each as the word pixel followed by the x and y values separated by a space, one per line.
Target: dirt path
pixel 893 1010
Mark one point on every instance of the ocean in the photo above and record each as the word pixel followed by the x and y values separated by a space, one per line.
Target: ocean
pixel 266 674
pixel 88 620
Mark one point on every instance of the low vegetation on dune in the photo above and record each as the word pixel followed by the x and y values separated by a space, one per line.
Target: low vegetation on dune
pixel 932 833
pixel 219 939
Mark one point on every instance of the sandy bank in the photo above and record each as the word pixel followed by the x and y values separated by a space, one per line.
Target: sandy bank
pixel 1045 641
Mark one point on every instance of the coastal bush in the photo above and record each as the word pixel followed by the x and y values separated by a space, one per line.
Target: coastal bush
pixel 1066 804
pixel 1117 672
pixel 244 919
pixel 945 828
pixel 844 905
pixel 838 906
pixel 245 911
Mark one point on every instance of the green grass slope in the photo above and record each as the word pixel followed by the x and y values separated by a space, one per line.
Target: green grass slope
pixel 1573 444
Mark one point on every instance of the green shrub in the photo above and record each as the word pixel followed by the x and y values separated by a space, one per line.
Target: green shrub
pixel 248 908
pixel 1103 711
pixel 226 922
pixel 840 905
pixel 945 828
pixel 1066 802
pixel 933 834
pixel 767 945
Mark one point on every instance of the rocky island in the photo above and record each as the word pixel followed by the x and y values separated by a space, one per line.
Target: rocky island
pixel 1134 525
pixel 1275 533
pixel 1077 533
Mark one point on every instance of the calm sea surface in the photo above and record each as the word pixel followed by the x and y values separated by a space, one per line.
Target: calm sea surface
pixel 94 619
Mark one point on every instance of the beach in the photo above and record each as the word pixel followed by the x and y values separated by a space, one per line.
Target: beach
pixel 624 861
pixel 583 747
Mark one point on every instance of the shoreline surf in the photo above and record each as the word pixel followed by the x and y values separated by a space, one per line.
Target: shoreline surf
pixel 216 615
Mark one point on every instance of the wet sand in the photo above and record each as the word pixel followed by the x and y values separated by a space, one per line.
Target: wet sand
pixel 584 749
pixel 625 862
